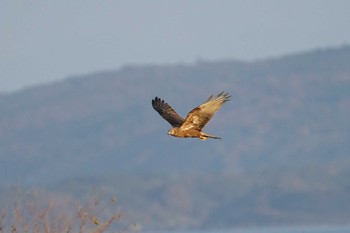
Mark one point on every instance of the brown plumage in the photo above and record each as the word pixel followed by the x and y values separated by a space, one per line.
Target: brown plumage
pixel 196 119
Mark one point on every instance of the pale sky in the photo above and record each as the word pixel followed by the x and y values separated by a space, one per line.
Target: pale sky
pixel 42 41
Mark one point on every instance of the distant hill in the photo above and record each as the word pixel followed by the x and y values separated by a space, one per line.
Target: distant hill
pixel 288 115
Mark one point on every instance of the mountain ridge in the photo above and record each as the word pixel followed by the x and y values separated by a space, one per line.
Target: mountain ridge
pixel 107 113
pixel 284 156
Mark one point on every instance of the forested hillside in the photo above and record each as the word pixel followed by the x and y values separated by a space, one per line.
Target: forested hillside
pixel 284 157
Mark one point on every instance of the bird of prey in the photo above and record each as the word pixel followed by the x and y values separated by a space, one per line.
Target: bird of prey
pixel 196 119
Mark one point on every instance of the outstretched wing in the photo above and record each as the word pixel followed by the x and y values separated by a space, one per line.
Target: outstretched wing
pixel 199 116
pixel 167 112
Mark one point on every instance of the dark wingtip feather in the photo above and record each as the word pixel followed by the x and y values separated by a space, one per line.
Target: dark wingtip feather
pixel 223 96
pixel 157 103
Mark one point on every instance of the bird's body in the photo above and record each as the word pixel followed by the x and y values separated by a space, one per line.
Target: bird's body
pixel 190 133
pixel 196 119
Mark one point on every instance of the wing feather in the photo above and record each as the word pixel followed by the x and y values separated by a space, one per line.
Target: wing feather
pixel 200 116
pixel 167 112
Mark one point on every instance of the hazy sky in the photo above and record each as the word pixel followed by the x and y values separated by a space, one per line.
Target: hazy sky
pixel 43 40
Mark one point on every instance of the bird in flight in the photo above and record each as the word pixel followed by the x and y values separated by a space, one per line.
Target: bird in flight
pixel 192 126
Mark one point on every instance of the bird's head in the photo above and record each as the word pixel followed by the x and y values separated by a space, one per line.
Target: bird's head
pixel 171 132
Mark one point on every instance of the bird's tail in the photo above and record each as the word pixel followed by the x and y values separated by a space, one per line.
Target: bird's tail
pixel 204 136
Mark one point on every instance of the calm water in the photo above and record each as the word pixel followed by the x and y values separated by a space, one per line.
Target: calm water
pixel 308 229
